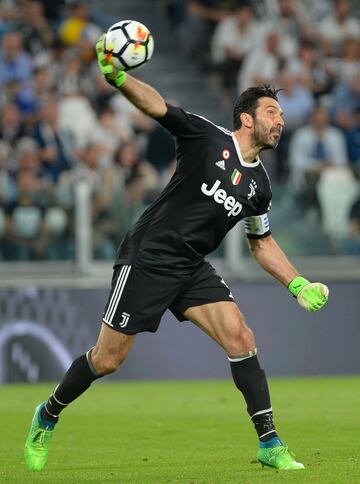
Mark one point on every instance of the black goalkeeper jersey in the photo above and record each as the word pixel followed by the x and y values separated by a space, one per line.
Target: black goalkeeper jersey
pixel 211 190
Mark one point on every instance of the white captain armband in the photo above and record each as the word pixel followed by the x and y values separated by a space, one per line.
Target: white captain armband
pixel 257 227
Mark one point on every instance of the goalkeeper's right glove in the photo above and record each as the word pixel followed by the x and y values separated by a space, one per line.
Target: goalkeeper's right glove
pixel 113 76
pixel 311 296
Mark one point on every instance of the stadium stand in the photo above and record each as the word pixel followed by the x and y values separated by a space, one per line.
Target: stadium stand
pixel 61 123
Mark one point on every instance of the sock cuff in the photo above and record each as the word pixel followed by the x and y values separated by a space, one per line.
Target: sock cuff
pixel 261 412
pixel 91 366
pixel 245 356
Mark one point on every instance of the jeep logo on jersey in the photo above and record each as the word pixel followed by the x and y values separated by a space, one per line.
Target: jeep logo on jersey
pixel 220 196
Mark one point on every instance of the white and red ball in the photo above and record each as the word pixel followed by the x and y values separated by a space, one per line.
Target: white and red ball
pixel 128 44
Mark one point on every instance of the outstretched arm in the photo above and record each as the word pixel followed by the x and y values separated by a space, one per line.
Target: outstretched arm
pixel 143 96
pixel 310 296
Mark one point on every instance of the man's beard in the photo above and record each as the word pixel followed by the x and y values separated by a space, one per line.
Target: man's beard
pixel 261 137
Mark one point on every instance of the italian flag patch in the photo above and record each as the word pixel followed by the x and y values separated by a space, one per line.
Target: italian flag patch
pixel 235 177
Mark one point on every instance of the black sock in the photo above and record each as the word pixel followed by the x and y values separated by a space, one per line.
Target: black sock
pixel 264 426
pixel 76 380
pixel 250 379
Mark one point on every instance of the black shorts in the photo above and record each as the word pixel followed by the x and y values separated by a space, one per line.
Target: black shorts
pixel 139 296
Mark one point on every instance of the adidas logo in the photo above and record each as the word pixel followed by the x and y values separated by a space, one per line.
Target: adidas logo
pixel 220 164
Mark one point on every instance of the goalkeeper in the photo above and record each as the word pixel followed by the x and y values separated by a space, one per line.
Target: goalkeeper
pixel 219 180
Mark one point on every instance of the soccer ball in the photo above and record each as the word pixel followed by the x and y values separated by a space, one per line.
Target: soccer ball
pixel 128 44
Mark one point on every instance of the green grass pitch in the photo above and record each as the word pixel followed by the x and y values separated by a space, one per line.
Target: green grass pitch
pixel 186 432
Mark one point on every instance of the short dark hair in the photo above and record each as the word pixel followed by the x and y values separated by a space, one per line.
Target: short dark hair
pixel 248 101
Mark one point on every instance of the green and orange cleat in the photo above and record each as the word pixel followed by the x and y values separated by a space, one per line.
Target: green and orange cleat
pixel 37 441
pixel 278 457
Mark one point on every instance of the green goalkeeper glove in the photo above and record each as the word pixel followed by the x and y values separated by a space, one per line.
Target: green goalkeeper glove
pixel 310 295
pixel 113 76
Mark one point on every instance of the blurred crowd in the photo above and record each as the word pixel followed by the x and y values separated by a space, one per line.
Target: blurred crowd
pixel 60 123
pixel 310 49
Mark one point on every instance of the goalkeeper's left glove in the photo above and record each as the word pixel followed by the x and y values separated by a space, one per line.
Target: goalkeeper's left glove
pixel 310 295
pixel 113 76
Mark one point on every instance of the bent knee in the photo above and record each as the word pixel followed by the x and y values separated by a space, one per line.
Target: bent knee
pixel 240 340
pixel 105 364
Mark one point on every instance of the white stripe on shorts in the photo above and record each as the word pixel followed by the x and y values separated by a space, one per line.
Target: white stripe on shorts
pixel 115 298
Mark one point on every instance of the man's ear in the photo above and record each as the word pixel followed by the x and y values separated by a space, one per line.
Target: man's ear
pixel 246 120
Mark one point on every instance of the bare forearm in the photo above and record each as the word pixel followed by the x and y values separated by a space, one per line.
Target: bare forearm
pixel 273 260
pixel 144 97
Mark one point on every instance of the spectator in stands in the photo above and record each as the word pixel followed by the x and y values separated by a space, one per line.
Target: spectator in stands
pixel 346 103
pixel 56 144
pixel 132 121
pixel 78 27
pixel 141 180
pixel 71 29
pixel 297 102
pixel 353 143
pixel 348 65
pixel 201 17
pixel 16 71
pixel 73 80
pixel 128 119
pixel 77 115
pixel 315 11
pixel 234 37
pixel 35 28
pixel 110 134
pixel 339 25
pixel 25 235
pixel 263 64
pixel 312 150
pixel 28 160
pixel 58 228
pixel 91 170
pixel 7 182
pixel 43 84
pixel 9 12
pixel 311 69
pixel 88 169
pixel 25 232
pixel 12 126
pixel 291 25
pixel 103 92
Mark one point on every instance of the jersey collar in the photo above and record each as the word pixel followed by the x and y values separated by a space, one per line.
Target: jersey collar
pixel 243 163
